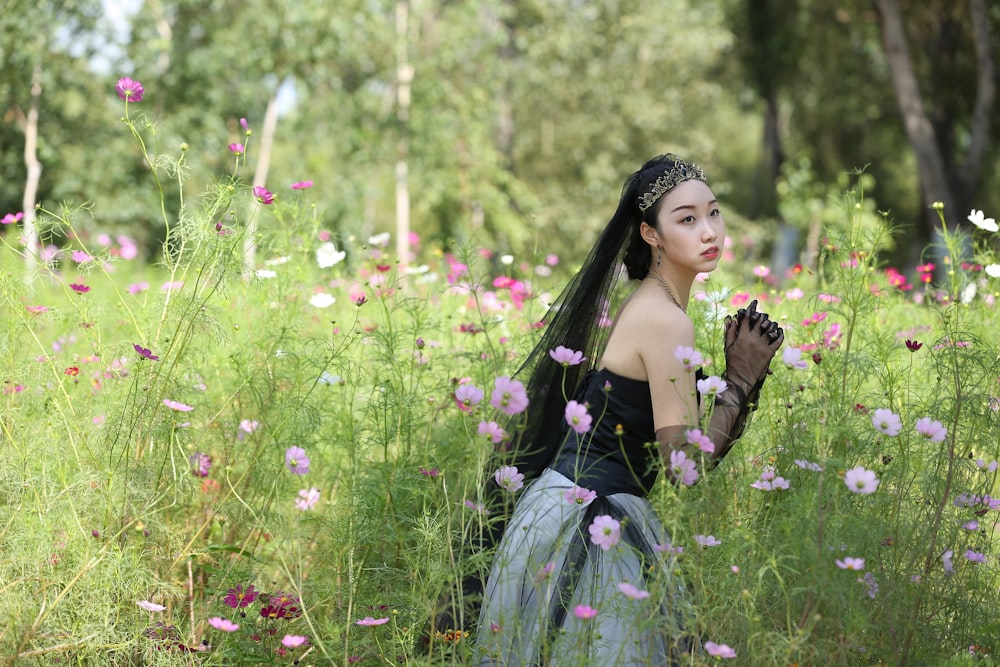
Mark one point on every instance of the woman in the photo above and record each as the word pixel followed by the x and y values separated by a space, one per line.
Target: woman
pixel 584 572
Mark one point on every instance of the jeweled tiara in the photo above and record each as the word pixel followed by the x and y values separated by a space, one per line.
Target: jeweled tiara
pixel 680 172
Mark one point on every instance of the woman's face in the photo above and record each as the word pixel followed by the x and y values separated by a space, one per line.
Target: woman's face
pixel 691 227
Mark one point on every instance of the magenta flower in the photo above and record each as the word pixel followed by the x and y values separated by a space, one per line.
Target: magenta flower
pixel 566 356
pixel 632 592
pixel 223 624
pixel 369 621
pixel 703 442
pixel 307 499
pixel 238 597
pixel 492 431
pixel 244 124
pixel 467 395
pixel 149 606
pixel 682 468
pixel 583 612
pixel 82 256
pixel 294 641
pixel 720 650
pixel 237 149
pixel 605 531
pixel 302 185
pixel 932 430
pixel 509 478
pixel 177 405
pixel 860 480
pixel 689 357
pixel 12 218
pixel 579 495
pixel 851 563
pixel 201 464
pixel 707 540
pixel 263 195
pixel 79 288
pixel 509 396
pixel 711 386
pixel 129 90
pixel 577 417
pixel 886 421
pixel 145 352
pixel 296 460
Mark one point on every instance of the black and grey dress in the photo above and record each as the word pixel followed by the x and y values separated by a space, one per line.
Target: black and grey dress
pixel 549 576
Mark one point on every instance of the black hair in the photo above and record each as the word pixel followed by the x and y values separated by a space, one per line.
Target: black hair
pixel 572 321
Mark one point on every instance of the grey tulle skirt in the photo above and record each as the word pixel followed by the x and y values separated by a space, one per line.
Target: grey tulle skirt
pixel 549 578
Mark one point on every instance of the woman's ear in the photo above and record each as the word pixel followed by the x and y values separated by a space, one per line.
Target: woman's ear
pixel 649 234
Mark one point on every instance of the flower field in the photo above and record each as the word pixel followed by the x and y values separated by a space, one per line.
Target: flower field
pixel 205 465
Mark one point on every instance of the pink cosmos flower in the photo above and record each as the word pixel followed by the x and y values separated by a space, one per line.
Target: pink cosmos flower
pixel 605 532
pixel 237 149
pixel 12 218
pixel 369 621
pixel 578 495
pixel 296 460
pixel 808 465
pixel 792 357
pixel 307 499
pixel 584 612
pixel 509 396
pixel 761 271
pixel 711 386
pixel 263 195
pixel 129 90
pixel 149 606
pixel 201 464
pixel 246 427
pixel 223 624
pixel 37 310
pixel 682 468
pixel 566 356
pixel 860 480
pixel 82 256
pixel 974 556
pixel 476 507
pixel 689 357
pixel 703 442
pixel 177 405
pixel 79 288
pixel 492 431
pixel 544 571
pixel 851 563
pixel 707 540
pixel 467 395
pixel 932 430
pixel 577 417
pixel 302 185
pixel 720 650
pixel 770 481
pixel 667 548
pixel 137 288
pixel 294 641
pixel 509 478
pixel 237 596
pixel 949 566
pixel 886 421
pixel 632 592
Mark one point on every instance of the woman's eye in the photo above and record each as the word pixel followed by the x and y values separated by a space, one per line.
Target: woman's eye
pixel 716 211
pixel 689 218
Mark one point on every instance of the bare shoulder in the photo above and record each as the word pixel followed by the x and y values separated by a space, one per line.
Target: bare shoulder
pixel 647 330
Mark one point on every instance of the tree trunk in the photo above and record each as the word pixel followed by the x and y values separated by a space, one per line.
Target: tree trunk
pixel 971 170
pixel 259 179
pixel 404 77
pixel 934 180
pixel 34 168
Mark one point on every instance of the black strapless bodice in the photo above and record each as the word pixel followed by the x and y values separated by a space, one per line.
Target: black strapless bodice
pixel 618 454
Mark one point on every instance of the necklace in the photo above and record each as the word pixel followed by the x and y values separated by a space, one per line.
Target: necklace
pixel 665 286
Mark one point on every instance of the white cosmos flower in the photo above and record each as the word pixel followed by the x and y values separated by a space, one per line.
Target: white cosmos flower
pixel 969 293
pixel 322 300
pixel 979 219
pixel 993 270
pixel 507 259
pixel 327 255
pixel 276 261
pixel 379 240
pixel 264 274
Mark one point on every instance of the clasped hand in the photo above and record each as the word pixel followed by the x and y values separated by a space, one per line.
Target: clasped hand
pixel 751 339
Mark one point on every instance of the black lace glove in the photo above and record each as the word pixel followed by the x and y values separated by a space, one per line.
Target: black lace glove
pixel 751 340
